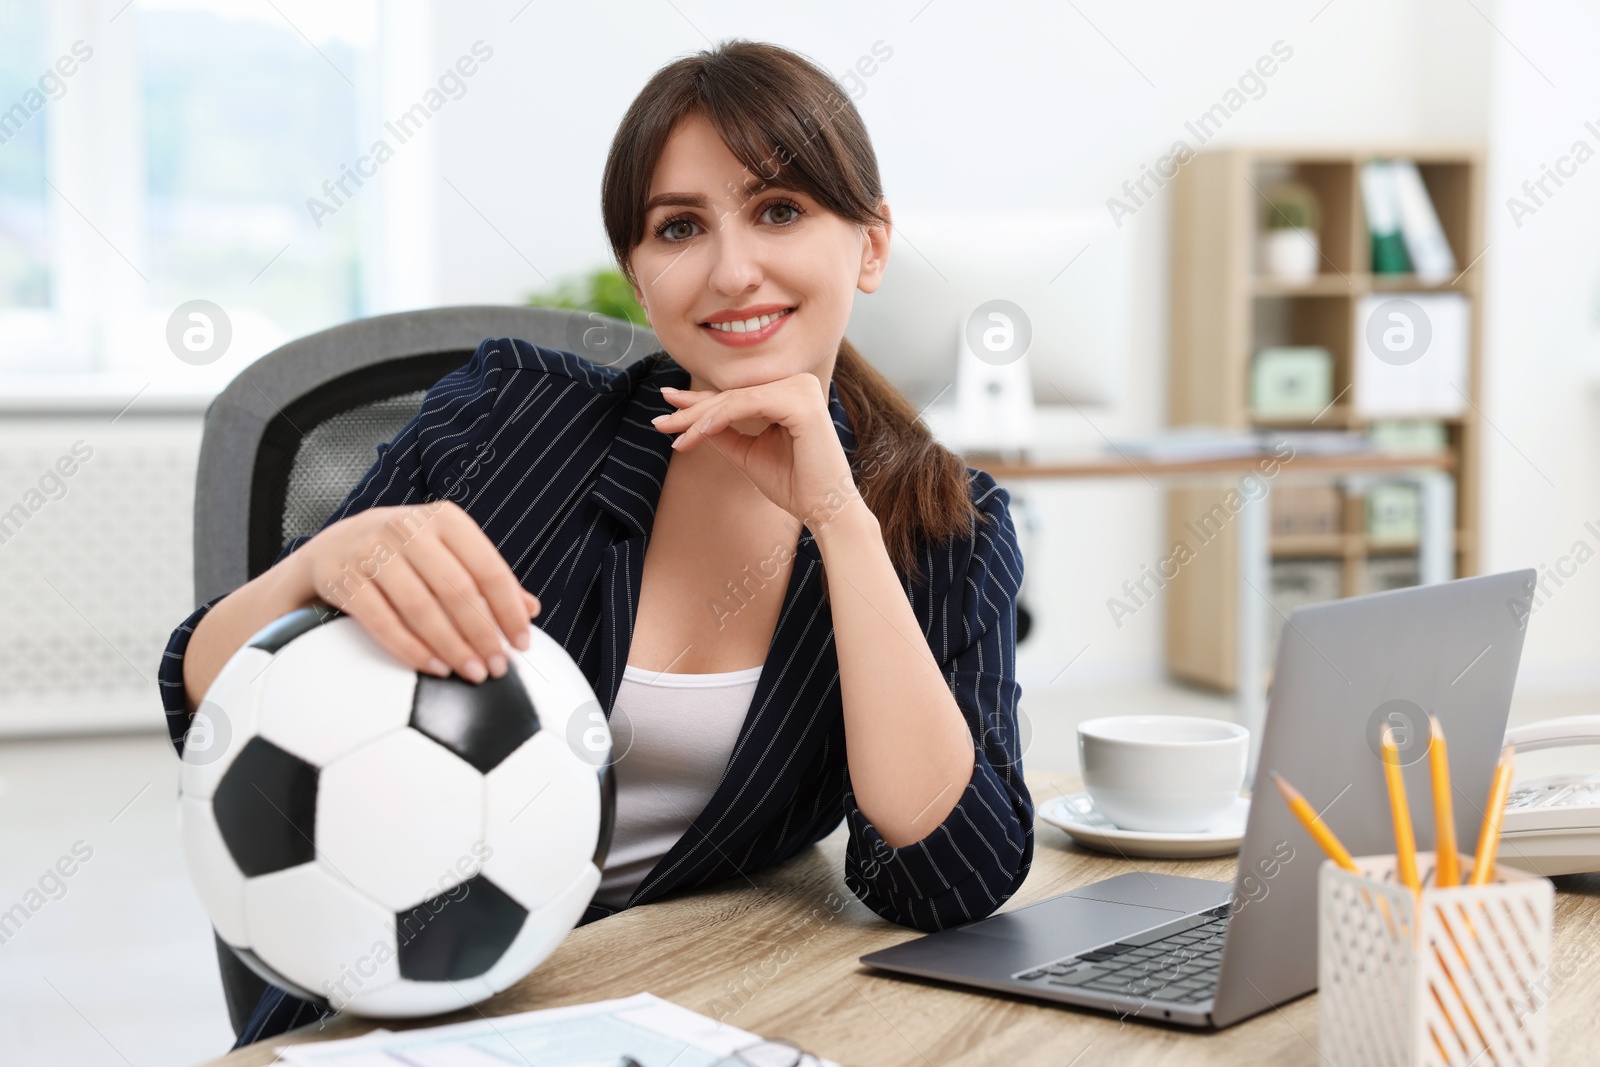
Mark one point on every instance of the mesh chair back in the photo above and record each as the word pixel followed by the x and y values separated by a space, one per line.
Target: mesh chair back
pixel 333 456
pixel 288 439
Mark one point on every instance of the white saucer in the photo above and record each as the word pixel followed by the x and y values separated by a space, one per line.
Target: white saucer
pixel 1076 814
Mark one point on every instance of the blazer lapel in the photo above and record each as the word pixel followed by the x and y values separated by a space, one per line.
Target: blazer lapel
pixel 629 487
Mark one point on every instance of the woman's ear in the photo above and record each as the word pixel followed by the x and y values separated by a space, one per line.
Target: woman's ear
pixel 875 250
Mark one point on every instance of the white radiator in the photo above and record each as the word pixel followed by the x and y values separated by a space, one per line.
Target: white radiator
pixel 96 527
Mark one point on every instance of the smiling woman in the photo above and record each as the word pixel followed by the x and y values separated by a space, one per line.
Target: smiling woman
pixel 742 199
pixel 864 672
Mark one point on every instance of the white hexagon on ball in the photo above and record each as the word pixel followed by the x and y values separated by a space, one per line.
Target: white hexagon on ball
pixel 333 689
pixel 556 685
pixel 544 806
pixel 395 817
pixel 324 935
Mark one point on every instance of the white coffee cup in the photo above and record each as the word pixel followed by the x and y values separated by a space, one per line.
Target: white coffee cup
pixel 1163 773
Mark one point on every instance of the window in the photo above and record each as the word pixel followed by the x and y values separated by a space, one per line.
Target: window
pixel 175 164
pixel 244 120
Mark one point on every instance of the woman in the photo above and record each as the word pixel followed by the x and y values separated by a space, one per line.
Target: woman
pixel 793 604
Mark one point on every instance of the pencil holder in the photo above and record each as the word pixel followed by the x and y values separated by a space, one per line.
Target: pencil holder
pixel 1436 977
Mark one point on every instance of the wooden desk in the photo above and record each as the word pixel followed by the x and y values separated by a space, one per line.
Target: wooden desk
pixel 798 963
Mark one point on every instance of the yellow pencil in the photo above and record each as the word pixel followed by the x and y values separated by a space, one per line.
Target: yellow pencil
pixel 1489 836
pixel 1447 869
pixel 1405 841
pixel 1314 825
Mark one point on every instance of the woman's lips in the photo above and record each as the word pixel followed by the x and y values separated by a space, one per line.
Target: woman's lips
pixel 752 337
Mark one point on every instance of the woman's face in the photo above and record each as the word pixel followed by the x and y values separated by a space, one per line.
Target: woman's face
pixel 716 248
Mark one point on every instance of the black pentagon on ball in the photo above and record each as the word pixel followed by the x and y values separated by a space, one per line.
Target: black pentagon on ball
pixel 272 637
pixel 459 934
pixel 266 808
pixel 483 723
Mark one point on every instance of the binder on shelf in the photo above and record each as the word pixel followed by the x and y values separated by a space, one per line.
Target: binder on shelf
pixel 1419 224
pixel 1382 209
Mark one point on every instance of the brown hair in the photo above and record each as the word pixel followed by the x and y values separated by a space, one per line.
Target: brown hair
pixel 790 123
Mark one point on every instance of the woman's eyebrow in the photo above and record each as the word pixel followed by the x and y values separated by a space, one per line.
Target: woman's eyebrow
pixel 696 200
pixel 675 200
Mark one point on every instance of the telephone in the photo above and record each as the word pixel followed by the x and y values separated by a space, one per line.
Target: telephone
pixel 1552 825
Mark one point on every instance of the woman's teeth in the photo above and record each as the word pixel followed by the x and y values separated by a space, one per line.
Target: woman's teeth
pixel 749 325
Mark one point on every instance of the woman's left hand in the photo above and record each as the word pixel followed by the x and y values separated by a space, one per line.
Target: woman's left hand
pixel 797 461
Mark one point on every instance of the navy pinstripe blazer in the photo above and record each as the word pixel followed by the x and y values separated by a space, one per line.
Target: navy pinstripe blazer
pixel 556 460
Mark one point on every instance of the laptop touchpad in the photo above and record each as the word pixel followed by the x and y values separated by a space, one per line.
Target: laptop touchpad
pixel 1069 922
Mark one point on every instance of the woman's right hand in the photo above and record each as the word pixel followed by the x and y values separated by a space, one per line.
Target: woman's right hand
pixel 426 582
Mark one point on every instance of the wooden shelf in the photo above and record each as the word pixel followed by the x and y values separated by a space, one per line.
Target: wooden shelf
pixel 1302 545
pixel 1338 544
pixel 1338 416
pixel 1224 309
pixel 1321 285
pixel 1376 547
pixel 1461 282
pixel 1359 283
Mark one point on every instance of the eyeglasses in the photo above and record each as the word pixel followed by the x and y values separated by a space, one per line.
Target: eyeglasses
pixel 768 1054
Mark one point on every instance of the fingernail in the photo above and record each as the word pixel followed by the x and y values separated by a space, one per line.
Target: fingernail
pixel 668 389
pixel 475 671
pixel 676 441
pixel 497 665
pixel 523 641
pixel 657 419
pixel 438 667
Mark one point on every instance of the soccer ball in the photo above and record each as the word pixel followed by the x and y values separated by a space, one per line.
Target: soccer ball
pixel 388 842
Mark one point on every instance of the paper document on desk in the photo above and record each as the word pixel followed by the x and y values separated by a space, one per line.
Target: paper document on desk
pixel 653 1031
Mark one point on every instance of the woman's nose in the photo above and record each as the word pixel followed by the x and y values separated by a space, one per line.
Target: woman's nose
pixel 738 266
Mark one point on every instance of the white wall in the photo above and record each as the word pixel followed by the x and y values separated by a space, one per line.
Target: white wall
pixel 1542 393
pixel 1037 104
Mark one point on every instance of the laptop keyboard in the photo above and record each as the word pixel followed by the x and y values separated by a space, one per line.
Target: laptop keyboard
pixel 1176 962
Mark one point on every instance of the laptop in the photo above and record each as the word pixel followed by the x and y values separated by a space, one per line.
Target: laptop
pixel 1201 953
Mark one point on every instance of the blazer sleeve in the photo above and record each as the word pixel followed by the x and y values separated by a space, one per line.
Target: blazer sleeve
pixel 977 858
pixel 430 458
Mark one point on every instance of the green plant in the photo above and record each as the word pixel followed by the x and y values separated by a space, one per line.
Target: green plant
pixel 604 290
pixel 1291 205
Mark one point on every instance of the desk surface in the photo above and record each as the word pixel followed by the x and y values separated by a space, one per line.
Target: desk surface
pixel 798 964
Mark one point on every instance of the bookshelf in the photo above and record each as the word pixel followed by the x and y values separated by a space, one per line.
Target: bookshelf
pixel 1223 310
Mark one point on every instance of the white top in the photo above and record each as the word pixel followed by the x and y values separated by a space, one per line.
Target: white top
pixel 671 738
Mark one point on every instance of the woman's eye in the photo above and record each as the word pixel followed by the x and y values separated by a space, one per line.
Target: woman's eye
pixel 793 211
pixel 666 229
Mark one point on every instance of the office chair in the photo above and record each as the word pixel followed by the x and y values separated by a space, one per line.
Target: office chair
pixel 286 441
